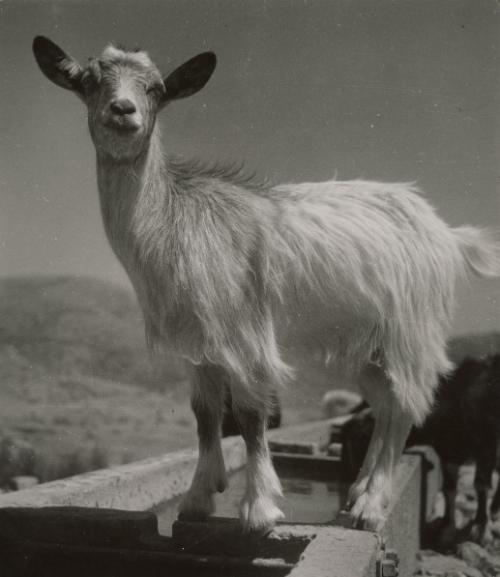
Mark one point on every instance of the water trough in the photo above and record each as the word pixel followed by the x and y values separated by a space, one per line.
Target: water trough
pixel 122 520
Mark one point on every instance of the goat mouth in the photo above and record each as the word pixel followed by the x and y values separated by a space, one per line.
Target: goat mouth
pixel 125 125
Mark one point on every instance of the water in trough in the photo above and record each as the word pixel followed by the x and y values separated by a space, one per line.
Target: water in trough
pixel 304 501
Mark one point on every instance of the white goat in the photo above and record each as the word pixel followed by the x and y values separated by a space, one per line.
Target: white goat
pixel 225 268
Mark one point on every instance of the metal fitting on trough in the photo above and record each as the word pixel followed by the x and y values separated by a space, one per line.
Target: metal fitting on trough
pixel 387 560
pixel 392 555
pixel 388 563
pixel 389 569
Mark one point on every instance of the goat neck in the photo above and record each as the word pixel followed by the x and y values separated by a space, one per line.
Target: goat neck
pixel 128 187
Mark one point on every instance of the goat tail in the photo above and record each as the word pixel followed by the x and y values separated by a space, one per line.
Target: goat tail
pixel 480 250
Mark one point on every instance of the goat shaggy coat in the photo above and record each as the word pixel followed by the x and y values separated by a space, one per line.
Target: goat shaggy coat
pixel 365 269
pixel 228 270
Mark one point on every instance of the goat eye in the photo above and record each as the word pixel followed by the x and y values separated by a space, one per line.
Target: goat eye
pixel 155 89
pixel 89 82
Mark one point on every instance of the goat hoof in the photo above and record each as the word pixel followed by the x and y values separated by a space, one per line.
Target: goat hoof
pixel 355 491
pixel 196 507
pixel 368 513
pixel 259 515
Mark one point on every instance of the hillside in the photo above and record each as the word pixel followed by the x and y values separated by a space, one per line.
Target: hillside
pixel 76 379
pixel 82 326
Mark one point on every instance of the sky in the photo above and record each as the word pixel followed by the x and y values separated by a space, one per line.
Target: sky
pixel 304 90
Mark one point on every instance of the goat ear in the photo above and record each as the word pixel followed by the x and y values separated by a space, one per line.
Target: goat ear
pixel 189 77
pixel 57 65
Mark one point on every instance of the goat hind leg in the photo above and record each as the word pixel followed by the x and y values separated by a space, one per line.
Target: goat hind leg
pixel 374 387
pixel 369 508
pixel 370 459
pixel 207 401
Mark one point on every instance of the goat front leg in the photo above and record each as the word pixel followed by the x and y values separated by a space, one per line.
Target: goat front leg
pixel 207 401
pixel 368 511
pixel 258 510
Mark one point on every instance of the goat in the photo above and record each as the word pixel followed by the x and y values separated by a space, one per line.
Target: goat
pixel 463 426
pixel 228 269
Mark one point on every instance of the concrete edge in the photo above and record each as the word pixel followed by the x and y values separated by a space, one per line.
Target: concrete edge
pixel 408 467
pixel 401 530
pixel 134 486
pixel 338 552
pixel 317 432
pixel 141 484
pixel 404 516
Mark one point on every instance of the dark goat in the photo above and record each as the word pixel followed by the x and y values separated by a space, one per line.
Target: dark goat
pixel 464 426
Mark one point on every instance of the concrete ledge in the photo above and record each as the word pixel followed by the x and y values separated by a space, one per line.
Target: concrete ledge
pixel 404 515
pixel 336 552
pixel 432 479
pixel 314 550
pixel 305 438
pixel 402 529
pixel 142 484
pixel 135 486
pixel 333 550
pixel 225 536
pixel 58 541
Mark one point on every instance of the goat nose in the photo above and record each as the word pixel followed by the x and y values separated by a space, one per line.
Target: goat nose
pixel 122 106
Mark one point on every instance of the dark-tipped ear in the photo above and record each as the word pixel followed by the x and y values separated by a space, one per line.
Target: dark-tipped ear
pixel 189 77
pixel 57 65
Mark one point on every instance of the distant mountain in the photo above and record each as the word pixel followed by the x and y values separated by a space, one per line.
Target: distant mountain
pixel 77 326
